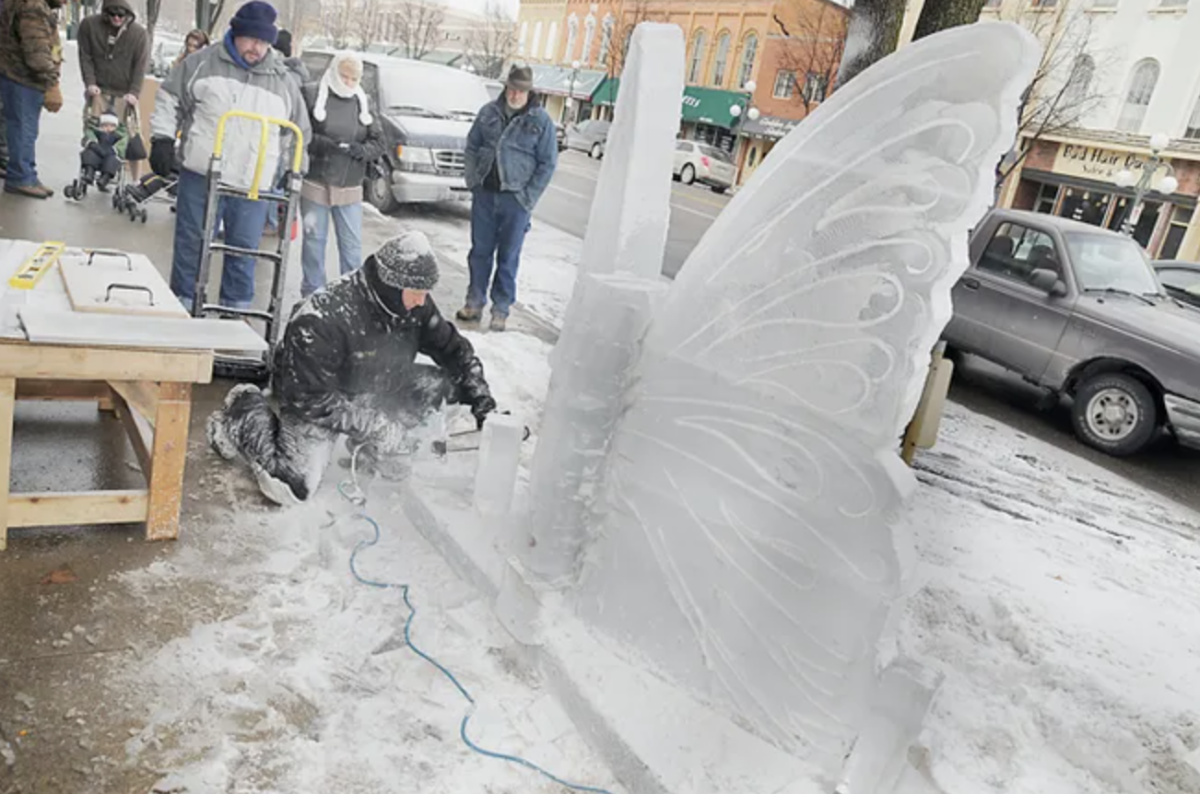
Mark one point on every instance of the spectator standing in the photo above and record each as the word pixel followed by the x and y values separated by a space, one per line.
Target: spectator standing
pixel 192 43
pixel 511 154
pixel 242 72
pixel 30 66
pixel 113 53
pixel 346 137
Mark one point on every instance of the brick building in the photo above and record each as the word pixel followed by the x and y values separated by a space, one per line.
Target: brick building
pixel 788 50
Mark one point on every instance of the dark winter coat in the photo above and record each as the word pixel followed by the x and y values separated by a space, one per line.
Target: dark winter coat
pixel 30 50
pixel 525 151
pixel 329 164
pixel 345 359
pixel 113 58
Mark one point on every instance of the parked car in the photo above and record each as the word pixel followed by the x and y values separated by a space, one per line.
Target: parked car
pixel 427 110
pixel 1078 310
pixel 162 58
pixel 708 165
pixel 588 136
pixel 1181 279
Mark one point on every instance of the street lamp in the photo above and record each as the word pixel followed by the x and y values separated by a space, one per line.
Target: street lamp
pixel 1141 185
pixel 570 101
pixel 752 113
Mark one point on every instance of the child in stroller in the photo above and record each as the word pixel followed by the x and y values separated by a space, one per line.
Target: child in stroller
pixel 99 157
pixel 104 140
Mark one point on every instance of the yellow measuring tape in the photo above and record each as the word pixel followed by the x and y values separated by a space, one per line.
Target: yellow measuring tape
pixel 33 268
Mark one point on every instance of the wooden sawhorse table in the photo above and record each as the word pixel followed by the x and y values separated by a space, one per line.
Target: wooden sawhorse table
pixel 151 391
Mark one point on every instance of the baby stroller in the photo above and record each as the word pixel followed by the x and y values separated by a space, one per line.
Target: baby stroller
pixel 105 143
pixel 135 197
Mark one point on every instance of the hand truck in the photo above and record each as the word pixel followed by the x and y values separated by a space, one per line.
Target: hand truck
pixel 254 368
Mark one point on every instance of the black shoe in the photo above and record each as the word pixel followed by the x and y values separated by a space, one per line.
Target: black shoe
pixel 102 183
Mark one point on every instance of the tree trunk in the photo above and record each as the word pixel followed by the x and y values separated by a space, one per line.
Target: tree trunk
pixel 153 7
pixel 944 14
pixel 872 35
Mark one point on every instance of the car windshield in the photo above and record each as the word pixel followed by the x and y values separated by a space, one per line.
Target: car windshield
pixel 715 153
pixel 432 92
pixel 1104 262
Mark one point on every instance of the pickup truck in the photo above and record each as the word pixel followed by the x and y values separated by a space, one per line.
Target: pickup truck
pixel 1078 310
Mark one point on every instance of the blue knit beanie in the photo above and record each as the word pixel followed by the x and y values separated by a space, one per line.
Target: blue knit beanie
pixel 255 20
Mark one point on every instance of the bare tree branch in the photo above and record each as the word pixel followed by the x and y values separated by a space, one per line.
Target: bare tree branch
pixel 490 41
pixel 1069 83
pixel 417 26
pixel 635 13
pixel 812 51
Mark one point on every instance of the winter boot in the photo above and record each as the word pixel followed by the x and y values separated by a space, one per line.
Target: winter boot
pixel 88 176
pixel 37 191
pixel 273 488
pixel 469 314
pixel 103 182
pixel 499 322
pixel 218 436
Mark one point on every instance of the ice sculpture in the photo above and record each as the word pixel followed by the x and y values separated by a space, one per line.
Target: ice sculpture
pixel 720 466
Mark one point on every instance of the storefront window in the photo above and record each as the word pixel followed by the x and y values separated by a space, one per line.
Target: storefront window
pixel 1047 196
pixel 1181 218
pixel 1085 206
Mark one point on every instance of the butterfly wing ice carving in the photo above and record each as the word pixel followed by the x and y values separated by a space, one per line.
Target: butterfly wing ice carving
pixel 744 545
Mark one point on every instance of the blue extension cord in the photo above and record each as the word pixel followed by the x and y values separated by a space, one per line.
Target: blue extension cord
pixel 360 500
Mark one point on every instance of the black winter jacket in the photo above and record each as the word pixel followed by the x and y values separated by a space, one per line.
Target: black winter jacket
pixel 329 164
pixel 345 361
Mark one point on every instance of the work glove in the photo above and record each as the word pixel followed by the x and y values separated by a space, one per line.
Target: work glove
pixel 162 156
pixel 481 406
pixel 356 151
pixel 53 100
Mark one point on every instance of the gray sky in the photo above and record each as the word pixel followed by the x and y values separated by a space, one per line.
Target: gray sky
pixel 481 5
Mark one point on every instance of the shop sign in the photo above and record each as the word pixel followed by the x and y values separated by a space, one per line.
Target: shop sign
pixel 1093 162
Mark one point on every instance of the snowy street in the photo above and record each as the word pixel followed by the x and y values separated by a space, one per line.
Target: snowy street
pixel 1055 590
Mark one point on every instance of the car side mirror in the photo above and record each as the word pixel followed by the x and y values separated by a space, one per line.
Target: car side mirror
pixel 1045 280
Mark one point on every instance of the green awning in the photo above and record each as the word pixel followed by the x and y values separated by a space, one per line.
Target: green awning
pixel 565 81
pixel 710 106
pixel 700 105
pixel 606 94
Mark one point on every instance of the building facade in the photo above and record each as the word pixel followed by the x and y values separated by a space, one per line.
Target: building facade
pixel 1133 62
pixel 786 50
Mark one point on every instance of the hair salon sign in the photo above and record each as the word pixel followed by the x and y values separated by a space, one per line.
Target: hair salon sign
pixel 1092 162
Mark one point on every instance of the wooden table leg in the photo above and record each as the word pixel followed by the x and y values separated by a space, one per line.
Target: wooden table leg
pixel 8 395
pixel 168 460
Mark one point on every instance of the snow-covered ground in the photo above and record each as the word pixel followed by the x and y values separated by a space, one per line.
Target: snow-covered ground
pixel 1057 599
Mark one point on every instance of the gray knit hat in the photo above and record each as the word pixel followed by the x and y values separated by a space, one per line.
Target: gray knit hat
pixel 407 262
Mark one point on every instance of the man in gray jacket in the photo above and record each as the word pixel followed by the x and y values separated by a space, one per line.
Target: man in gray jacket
pixel 242 72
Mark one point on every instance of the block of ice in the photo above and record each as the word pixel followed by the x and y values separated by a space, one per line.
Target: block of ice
pixel 730 485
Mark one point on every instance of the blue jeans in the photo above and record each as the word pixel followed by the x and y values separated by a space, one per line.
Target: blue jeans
pixel 498 227
pixel 347 222
pixel 22 119
pixel 244 221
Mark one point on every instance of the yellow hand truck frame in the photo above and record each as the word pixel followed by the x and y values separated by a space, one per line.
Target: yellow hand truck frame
pixel 235 366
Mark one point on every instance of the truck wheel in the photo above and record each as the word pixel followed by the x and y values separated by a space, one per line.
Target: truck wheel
pixel 379 192
pixel 1115 413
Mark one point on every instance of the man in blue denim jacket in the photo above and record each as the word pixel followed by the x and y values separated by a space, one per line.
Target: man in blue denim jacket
pixel 511 155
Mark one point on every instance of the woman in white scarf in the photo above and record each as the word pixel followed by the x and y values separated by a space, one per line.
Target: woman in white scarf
pixel 346 138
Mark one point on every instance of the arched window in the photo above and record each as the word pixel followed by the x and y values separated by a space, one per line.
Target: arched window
pixel 749 52
pixel 606 34
pixel 524 36
pixel 589 35
pixel 722 60
pixel 1079 82
pixel 696 69
pixel 572 37
pixel 537 38
pixel 1137 100
pixel 551 41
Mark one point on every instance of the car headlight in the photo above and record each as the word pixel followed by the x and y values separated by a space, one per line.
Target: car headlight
pixel 415 155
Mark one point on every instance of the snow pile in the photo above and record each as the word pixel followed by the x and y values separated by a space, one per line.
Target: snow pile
pixel 1060 602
